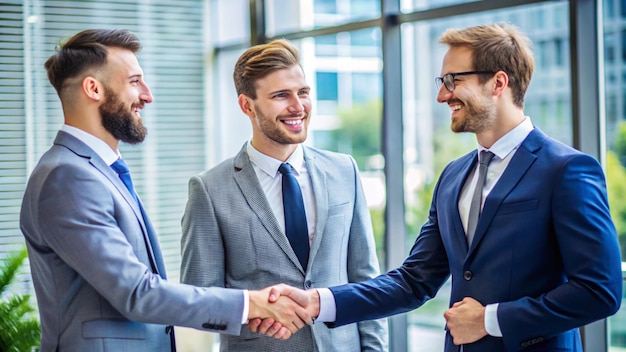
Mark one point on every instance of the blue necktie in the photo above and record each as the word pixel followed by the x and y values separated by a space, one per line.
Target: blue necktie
pixel 295 216
pixel 122 170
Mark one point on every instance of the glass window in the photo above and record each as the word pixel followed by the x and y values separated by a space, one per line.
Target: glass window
pixel 228 127
pixel 614 39
pixel 325 6
pixel 429 143
pixel 609 9
pixel 367 87
pixel 230 21
pixel 420 5
pixel 285 16
pixel 326 86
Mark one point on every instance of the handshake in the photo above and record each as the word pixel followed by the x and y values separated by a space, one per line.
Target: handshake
pixel 281 310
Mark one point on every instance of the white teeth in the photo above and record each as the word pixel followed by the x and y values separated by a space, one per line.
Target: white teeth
pixel 293 122
pixel 455 107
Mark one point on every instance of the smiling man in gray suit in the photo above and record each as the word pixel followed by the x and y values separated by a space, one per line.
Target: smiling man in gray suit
pixel 96 264
pixel 234 232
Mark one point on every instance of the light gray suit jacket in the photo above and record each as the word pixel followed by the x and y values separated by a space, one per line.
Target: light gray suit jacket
pixel 90 262
pixel 231 238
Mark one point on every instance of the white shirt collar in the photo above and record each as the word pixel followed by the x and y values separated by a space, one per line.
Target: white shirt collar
pixel 270 165
pixel 510 141
pixel 98 145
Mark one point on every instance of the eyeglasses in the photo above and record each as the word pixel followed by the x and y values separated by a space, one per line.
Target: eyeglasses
pixel 448 79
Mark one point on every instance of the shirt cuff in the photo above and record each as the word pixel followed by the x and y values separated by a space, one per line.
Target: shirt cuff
pixel 492 326
pixel 328 310
pixel 246 307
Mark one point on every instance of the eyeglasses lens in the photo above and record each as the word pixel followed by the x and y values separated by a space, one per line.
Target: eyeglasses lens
pixel 448 81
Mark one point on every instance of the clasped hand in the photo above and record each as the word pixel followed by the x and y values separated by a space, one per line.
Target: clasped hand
pixel 280 311
pixel 465 321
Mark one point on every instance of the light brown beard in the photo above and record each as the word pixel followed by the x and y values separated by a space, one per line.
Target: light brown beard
pixel 479 115
pixel 271 130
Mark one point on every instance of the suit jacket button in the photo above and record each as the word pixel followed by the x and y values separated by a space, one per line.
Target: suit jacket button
pixel 467 275
pixel 307 284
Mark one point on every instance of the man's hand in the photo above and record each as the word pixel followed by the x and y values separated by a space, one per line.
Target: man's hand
pixel 466 321
pixel 269 327
pixel 283 312
pixel 309 300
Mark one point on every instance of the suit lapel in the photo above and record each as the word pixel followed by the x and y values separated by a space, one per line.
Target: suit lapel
pixel 460 177
pixel 149 234
pixel 248 183
pixel 96 161
pixel 524 157
pixel 320 194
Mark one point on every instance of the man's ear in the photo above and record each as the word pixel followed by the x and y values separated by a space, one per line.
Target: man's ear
pixel 245 104
pixel 92 88
pixel 501 82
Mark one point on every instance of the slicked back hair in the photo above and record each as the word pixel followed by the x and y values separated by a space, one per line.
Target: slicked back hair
pixel 260 61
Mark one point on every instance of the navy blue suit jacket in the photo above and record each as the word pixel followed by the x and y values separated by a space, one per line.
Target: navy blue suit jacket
pixel 545 249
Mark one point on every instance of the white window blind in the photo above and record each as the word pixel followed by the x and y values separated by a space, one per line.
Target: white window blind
pixel 173 60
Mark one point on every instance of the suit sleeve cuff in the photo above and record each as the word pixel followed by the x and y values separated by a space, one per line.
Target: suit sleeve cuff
pixel 492 326
pixel 246 307
pixel 328 310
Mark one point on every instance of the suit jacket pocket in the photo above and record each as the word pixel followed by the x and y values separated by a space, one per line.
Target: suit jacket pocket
pixel 114 328
pixel 340 208
pixel 515 207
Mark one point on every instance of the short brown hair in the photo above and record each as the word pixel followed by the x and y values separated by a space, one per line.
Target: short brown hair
pixel 86 50
pixel 497 47
pixel 261 60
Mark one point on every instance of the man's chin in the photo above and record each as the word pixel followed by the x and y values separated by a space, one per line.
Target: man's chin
pixel 134 139
pixel 456 126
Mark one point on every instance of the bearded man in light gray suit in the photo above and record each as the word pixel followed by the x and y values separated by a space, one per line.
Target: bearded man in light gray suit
pixel 96 264
pixel 234 225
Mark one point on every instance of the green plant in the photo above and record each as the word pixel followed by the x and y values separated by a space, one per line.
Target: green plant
pixel 19 326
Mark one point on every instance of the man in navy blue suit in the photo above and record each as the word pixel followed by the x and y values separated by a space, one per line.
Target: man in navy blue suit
pixel 542 258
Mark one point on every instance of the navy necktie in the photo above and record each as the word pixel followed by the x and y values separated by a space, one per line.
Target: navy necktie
pixel 122 170
pixel 477 198
pixel 295 216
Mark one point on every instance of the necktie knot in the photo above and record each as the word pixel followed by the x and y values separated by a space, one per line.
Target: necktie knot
pixel 485 157
pixel 120 166
pixel 285 169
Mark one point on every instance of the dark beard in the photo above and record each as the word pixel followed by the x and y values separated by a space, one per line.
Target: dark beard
pixel 119 120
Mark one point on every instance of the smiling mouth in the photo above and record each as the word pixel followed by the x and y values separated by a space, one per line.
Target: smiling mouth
pixel 293 122
pixel 455 107
pixel 137 109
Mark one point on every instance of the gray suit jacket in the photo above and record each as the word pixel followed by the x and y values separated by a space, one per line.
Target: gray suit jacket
pixel 90 262
pixel 231 238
